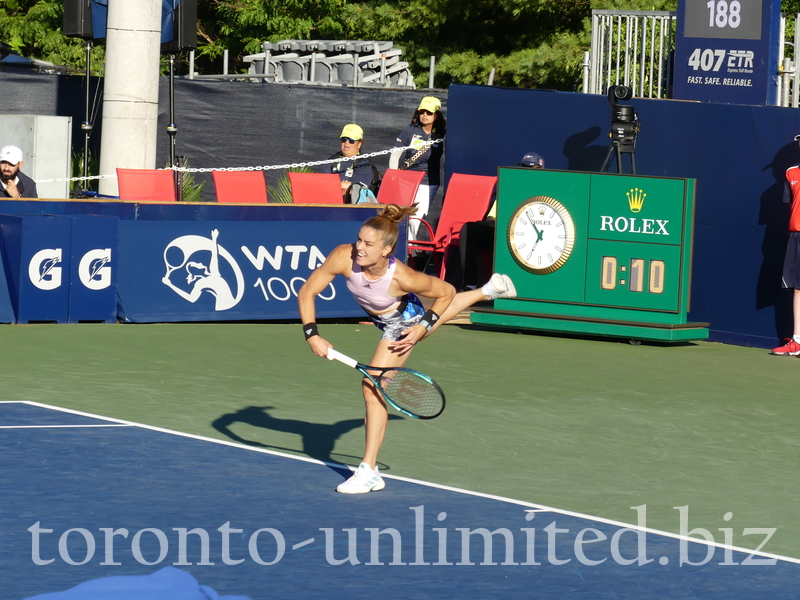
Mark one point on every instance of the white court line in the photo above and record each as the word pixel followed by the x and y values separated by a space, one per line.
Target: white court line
pixel 538 507
pixel 62 426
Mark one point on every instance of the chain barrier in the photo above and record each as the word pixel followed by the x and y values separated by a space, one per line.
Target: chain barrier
pixel 314 163
pixel 74 178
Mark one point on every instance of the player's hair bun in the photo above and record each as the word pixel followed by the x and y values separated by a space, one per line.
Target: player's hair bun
pixel 395 213
pixel 387 220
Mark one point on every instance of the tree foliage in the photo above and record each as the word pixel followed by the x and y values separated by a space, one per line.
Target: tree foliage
pixel 528 43
pixel 32 28
pixel 241 26
pixel 521 39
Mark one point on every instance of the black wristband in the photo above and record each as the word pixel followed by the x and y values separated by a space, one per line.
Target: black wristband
pixel 310 330
pixel 429 319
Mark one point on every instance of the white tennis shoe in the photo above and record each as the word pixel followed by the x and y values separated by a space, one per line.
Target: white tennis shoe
pixel 499 286
pixel 365 479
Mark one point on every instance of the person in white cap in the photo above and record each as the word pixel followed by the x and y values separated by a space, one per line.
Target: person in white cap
pixel 14 183
pixel 427 125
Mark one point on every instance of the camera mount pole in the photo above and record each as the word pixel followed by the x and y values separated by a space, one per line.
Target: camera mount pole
pixel 86 124
pixel 172 130
pixel 616 147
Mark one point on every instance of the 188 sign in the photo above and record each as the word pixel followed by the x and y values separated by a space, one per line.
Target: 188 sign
pixel 723 19
pixel 722 14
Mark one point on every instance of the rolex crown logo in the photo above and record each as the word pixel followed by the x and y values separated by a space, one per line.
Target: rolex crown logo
pixel 541 211
pixel 636 199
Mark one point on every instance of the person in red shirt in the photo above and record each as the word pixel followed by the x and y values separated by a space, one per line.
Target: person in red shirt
pixel 791 264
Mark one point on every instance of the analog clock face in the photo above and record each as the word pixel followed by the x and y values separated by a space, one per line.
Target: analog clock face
pixel 541 235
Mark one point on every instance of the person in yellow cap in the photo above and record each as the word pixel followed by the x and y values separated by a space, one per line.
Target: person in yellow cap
pixel 358 171
pixel 428 124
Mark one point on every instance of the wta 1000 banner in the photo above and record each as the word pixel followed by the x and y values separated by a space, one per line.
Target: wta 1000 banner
pixel 224 271
pixel 157 263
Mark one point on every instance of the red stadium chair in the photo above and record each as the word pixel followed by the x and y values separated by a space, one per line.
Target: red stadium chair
pixel 467 199
pixel 240 187
pixel 316 188
pixel 146 185
pixel 399 187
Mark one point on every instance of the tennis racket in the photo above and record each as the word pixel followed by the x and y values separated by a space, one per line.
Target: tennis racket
pixel 409 391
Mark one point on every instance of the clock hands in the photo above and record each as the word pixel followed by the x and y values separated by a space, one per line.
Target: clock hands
pixel 543 217
pixel 539 234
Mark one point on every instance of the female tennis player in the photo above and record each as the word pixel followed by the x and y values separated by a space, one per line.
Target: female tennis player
pixel 388 291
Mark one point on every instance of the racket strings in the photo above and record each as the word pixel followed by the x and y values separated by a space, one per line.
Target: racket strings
pixel 413 392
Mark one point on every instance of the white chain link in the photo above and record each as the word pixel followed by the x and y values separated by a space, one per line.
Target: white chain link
pixel 314 163
pixel 74 178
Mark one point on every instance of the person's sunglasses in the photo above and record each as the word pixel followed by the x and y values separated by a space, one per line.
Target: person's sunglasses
pixel 348 140
pixel 424 112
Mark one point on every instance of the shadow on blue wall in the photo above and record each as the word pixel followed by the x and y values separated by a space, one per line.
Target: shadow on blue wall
pixel 585 151
pixel 738 155
pixel 774 215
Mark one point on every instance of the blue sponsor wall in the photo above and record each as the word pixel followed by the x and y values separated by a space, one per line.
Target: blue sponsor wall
pixel 94 262
pixel 738 155
pixel 36 253
pixel 102 261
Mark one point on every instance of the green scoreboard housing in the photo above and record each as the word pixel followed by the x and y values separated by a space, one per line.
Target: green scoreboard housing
pixel 595 253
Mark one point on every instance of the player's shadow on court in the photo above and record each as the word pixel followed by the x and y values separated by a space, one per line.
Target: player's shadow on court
pixel 318 439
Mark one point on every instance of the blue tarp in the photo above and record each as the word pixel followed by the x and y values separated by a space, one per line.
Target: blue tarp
pixel 100 18
pixel 167 584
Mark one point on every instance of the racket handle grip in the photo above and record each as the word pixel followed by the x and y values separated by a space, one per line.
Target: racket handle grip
pixel 334 355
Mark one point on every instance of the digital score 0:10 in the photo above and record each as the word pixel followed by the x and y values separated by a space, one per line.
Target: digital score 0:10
pixel 636 275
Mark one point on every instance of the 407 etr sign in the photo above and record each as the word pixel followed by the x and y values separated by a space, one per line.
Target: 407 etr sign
pixel 737 64
pixel 727 51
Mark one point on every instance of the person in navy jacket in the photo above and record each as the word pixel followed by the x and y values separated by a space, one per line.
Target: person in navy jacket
pixel 14 183
pixel 360 170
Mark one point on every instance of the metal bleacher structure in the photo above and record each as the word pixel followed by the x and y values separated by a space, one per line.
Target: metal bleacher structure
pixel 331 62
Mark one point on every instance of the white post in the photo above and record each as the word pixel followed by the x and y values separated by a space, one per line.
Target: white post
pixel 785 79
pixel 795 78
pixel 433 68
pixel 130 99
pixel 586 65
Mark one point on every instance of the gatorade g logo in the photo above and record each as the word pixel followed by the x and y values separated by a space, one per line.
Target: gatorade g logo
pixel 93 270
pixel 196 264
pixel 43 270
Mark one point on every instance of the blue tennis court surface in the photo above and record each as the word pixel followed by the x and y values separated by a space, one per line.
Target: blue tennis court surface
pixel 85 497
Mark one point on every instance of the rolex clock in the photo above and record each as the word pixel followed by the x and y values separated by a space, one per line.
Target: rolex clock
pixel 541 235
pixel 594 253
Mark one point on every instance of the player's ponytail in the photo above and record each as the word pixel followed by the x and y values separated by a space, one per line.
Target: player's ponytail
pixel 396 213
pixel 387 219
